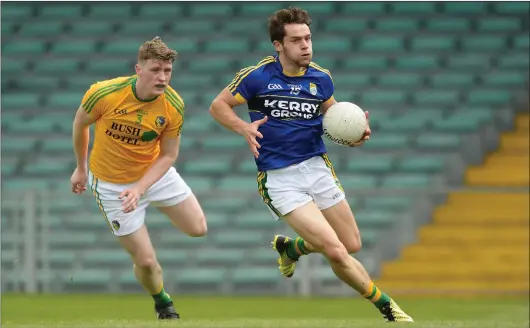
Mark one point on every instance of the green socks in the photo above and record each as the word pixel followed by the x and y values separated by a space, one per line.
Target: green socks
pixel 375 296
pixel 162 298
pixel 296 249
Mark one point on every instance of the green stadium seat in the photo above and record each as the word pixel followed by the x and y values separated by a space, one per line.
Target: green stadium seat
pixel 199 184
pixel 521 42
pixel 212 9
pixel 331 44
pixel 7 27
pixel 32 126
pixel 469 61
pixel 361 8
pixel 315 8
pixel 261 256
pixel 174 238
pixel 11 65
pixel 61 257
pixel 8 168
pixel 199 123
pixel 255 220
pixel 16 12
pixel 432 43
pixel 41 29
pixel 239 238
pixel 37 83
pixel 17 101
pixel 197 276
pixel 448 24
pixel 65 239
pixel 483 115
pixel 109 67
pixel 249 26
pixel 83 29
pixel 54 145
pixel 224 206
pixel 514 79
pixel 455 125
pixel 484 43
pixel 70 203
pixel 64 66
pixel 438 141
pixel 47 167
pixel 401 79
pixel 395 97
pixel 92 221
pixel 370 219
pixel 452 79
pixel 371 164
pixel 107 257
pixel 352 80
pixel 465 7
pixel 261 46
pixel 238 183
pixel 259 8
pixel 358 62
pixel 403 181
pixel 512 7
pixel 60 11
pixel 147 28
pixel 206 97
pixel 91 277
pixel 219 256
pixel 421 164
pixel 122 47
pixel 387 141
pixel 184 27
pixel 255 275
pixel 398 203
pixel 488 97
pixel 217 220
pixel 183 45
pixel 513 60
pixel 357 181
pixel 413 7
pixel 381 44
pixel 209 164
pixel 248 165
pixel 161 10
pixel 232 142
pixel 210 65
pixel 24 48
pixel 24 184
pixel 498 24
pixel 65 100
pixel 345 25
pixel 228 46
pixel 436 97
pixel 110 10
pixel 397 24
pixel 408 123
pixel 12 144
pixel 74 47
pixel 417 62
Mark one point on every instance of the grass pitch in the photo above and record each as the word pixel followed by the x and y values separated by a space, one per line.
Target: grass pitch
pixel 260 312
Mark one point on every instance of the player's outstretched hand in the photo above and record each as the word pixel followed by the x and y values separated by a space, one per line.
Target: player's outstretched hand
pixel 130 198
pixel 250 132
pixel 367 132
pixel 78 181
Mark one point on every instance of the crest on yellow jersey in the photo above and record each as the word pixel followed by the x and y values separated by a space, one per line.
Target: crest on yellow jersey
pixel 160 121
pixel 313 89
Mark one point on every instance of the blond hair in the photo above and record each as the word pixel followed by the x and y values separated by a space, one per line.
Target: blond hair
pixel 156 49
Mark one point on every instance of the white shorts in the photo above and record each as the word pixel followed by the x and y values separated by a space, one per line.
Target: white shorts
pixel 168 191
pixel 284 190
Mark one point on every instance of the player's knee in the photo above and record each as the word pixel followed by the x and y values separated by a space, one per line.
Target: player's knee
pixel 199 228
pixel 353 245
pixel 335 252
pixel 147 264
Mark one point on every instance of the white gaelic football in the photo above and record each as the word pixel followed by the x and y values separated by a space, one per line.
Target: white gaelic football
pixel 344 123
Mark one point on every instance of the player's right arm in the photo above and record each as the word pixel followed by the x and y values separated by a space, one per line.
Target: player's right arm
pixel 86 115
pixel 244 86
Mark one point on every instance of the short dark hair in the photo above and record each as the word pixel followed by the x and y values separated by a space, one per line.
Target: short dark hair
pixel 283 17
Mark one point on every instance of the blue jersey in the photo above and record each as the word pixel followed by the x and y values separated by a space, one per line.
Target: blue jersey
pixel 293 131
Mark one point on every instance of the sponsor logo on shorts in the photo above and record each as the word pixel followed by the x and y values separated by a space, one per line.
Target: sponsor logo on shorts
pixel 337 195
pixel 116 225
pixel 160 121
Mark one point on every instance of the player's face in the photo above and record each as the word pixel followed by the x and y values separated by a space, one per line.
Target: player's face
pixel 155 75
pixel 297 46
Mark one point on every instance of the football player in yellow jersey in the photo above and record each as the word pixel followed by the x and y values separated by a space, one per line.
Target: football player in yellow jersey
pixel 138 122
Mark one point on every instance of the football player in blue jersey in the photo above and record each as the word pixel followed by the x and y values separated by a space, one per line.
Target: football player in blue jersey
pixel 287 96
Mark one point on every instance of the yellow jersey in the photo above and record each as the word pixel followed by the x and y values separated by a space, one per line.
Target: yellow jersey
pixel 128 130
